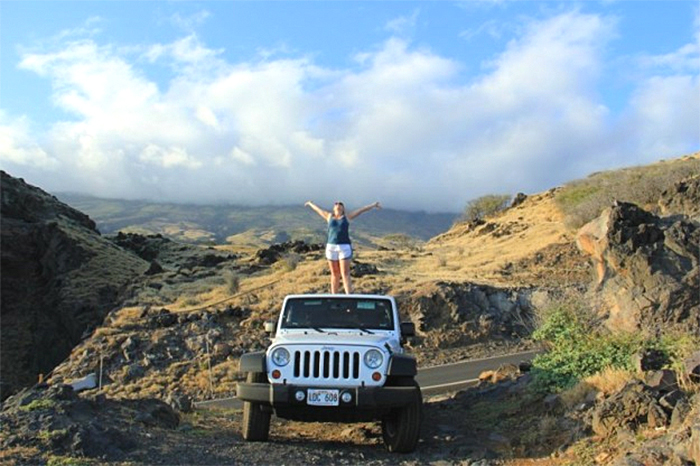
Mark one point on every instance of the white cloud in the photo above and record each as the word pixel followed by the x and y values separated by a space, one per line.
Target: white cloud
pixel 18 148
pixel 191 22
pixel 168 157
pixel 664 115
pixel 403 126
pixel 403 24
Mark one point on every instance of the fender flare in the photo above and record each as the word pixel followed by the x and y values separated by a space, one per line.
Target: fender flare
pixel 253 362
pixel 402 365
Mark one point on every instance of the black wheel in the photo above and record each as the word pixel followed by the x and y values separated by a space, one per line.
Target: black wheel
pixel 401 427
pixel 256 421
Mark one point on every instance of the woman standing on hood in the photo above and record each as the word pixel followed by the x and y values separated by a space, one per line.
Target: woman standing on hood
pixel 338 246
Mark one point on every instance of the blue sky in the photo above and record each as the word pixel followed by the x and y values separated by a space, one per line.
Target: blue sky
pixel 421 105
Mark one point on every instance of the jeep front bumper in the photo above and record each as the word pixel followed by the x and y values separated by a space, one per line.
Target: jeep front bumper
pixel 281 395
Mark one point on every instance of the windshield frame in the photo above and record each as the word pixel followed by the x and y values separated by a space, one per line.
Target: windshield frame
pixel 368 314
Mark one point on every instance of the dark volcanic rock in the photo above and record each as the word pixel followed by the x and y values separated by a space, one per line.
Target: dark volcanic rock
pixel 162 251
pixel 627 409
pixel 59 280
pixel 56 420
pixel 361 269
pixel 647 268
pixel 275 252
pixel 449 314
pixel 683 198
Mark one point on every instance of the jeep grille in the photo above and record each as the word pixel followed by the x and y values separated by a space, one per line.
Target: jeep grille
pixel 325 364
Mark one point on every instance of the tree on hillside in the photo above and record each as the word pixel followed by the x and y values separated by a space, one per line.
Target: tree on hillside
pixel 484 206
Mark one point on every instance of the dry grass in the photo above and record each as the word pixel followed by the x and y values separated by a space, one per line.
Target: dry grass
pixel 583 200
pixel 605 383
pixel 125 317
pixel 479 253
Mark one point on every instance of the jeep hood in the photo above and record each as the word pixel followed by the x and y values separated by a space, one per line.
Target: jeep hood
pixel 334 338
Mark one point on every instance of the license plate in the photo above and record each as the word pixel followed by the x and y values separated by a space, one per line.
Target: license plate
pixel 321 397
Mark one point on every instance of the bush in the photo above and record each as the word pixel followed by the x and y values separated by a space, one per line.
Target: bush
pixel 38 405
pixel 578 348
pixel 484 206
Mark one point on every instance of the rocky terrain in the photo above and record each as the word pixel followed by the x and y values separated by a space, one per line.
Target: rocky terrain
pixel 157 325
pixel 50 295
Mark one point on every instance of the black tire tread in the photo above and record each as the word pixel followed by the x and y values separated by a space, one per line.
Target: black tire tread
pixel 256 422
pixel 406 422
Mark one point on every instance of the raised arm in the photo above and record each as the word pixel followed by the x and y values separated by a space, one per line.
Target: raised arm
pixel 323 213
pixel 362 210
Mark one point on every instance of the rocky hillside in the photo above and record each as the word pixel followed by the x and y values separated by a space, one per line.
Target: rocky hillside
pixel 174 336
pixel 60 279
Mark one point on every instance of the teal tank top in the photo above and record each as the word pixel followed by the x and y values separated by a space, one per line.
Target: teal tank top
pixel 338 230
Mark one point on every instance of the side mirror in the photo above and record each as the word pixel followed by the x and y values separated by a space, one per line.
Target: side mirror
pixel 408 329
pixel 269 326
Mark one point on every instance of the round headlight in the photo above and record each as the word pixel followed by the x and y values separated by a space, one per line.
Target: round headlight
pixel 374 358
pixel 280 357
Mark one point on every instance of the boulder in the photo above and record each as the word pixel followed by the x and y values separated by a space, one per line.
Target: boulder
pixel 649 360
pixel 629 408
pixel 682 198
pixel 694 447
pixel 692 366
pixel 663 381
pixel 464 313
pixel 647 272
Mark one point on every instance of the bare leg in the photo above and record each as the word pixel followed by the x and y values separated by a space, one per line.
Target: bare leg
pixel 335 276
pixel 345 273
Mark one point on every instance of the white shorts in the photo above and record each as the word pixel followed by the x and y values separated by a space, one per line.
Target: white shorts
pixel 336 252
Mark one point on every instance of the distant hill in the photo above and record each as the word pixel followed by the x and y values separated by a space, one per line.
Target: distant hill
pixel 248 225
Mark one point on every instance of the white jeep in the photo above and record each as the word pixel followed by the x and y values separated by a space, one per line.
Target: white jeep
pixel 335 358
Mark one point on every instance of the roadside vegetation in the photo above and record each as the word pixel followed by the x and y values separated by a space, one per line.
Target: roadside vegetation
pixel 583 200
pixel 580 349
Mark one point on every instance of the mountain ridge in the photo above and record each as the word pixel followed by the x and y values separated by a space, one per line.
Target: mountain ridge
pixel 235 224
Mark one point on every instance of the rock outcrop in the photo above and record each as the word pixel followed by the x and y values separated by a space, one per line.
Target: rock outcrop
pixel 647 268
pixel 638 408
pixel 60 278
pixel 448 314
pixel 683 198
pixel 91 426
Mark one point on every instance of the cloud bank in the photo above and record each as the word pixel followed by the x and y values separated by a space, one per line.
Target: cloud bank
pixel 403 125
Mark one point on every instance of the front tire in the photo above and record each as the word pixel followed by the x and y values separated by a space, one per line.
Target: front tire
pixel 401 427
pixel 256 421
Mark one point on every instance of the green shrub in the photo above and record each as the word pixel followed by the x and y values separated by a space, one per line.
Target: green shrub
pixel 38 404
pixel 484 206
pixel 49 435
pixel 578 348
